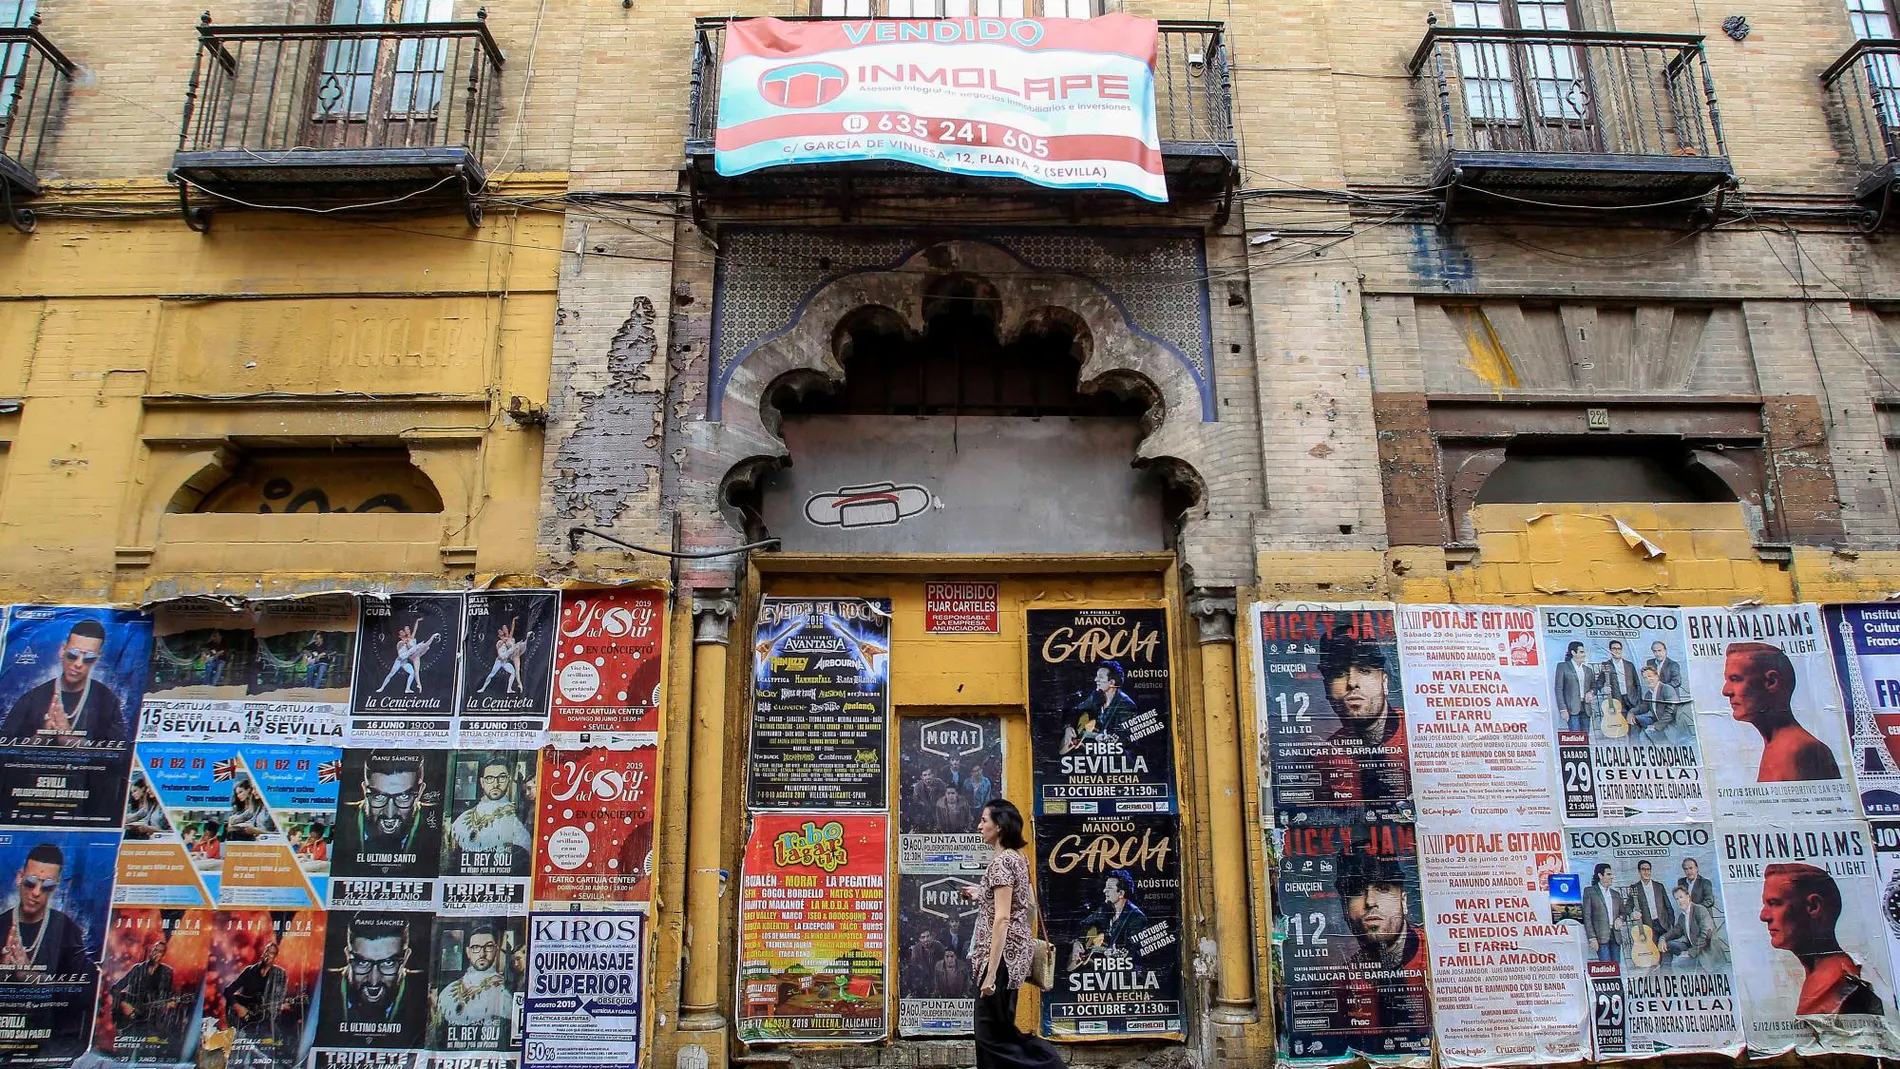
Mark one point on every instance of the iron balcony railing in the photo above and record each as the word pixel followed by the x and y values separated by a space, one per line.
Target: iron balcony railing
pixel 1193 87
pixel 1864 87
pixel 33 86
pixel 286 88
pixel 1568 91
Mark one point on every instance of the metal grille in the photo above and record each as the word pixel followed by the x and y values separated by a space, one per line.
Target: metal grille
pixel 1864 88
pixel 32 90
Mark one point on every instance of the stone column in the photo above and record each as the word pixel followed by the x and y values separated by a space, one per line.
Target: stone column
pixel 713 613
pixel 1213 613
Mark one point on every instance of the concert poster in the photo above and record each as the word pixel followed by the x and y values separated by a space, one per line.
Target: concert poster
pixel 936 981
pixel 507 667
pixel 282 827
pixel 596 826
pixel 262 986
pixel 1332 710
pixel 55 895
pixel 388 829
pixel 304 662
pixel 1808 934
pixel 406 670
pixel 1349 931
pixel 1886 836
pixel 1507 978
pixel 489 844
pixel 1865 643
pixel 1101 711
pixel 177 806
pixel 71 680
pixel 821 690
pixel 586 990
pixel 478 981
pixel 1655 940
pixel 1767 703
pixel 1478 712
pixel 813 913
pixel 200 673
pixel 151 988
pixel 609 666
pixel 1110 894
pixel 947 768
pixel 373 1012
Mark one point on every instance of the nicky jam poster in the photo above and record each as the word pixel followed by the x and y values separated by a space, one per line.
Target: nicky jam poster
pixel 1101 711
pixel 821 694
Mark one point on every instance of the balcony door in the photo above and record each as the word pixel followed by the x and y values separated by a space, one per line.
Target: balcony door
pixel 1875 20
pixel 14 15
pixel 1522 97
pixel 955 9
pixel 371 90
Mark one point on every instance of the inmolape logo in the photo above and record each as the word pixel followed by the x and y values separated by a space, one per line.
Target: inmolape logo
pixel 802 85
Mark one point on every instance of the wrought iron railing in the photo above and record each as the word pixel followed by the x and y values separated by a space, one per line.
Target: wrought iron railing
pixel 285 88
pixel 1193 87
pixel 1864 87
pixel 33 86
pixel 1568 91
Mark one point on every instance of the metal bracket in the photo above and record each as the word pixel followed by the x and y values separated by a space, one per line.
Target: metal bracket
pixel 1872 219
pixel 197 219
pixel 471 207
pixel 20 219
pixel 1451 195
pixel 1226 208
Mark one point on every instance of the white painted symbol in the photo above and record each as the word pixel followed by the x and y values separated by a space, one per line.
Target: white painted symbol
pixel 871 505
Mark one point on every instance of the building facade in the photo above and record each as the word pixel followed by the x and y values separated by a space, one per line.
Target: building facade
pixel 1494 302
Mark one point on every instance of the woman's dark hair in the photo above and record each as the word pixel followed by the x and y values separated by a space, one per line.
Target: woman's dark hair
pixel 1009 823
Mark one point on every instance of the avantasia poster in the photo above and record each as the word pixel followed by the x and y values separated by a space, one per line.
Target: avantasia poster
pixel 1331 714
pixel 476 986
pixel 1101 711
pixel 1110 894
pixel 58 892
pixel 821 693
pixel 947 768
pixel 596 825
pixel 71 680
pixel 375 994
pixel 261 986
pixel 1865 640
pixel 404 692
pixel 936 981
pixel 1655 940
pixel 608 667
pixel 1350 934
pixel 486 851
pixel 388 829
pixel 585 990
pixel 1626 736
pixel 813 912
pixel 507 667
pixel 151 986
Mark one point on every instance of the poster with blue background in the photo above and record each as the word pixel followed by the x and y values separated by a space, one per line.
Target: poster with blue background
pixel 56 887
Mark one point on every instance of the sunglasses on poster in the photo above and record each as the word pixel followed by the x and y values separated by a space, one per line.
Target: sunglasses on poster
pixel 39 883
pixel 82 656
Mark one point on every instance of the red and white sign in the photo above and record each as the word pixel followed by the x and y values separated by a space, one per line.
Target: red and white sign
pixel 608 667
pixel 960 608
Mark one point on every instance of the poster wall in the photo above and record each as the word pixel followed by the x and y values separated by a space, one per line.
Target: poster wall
pixel 1478 711
pixel 304 664
pixel 151 987
pixel 821 689
pixel 507 667
pixel 1350 934
pixel 1865 641
pixel 1101 711
pixel 1806 931
pixel 608 668
pixel 406 670
pixel 57 895
pixel 375 994
pixel 1110 893
pixel 1332 711
pixel 596 826
pixel 388 829
pixel 1623 706
pixel 1507 979
pixel 477 990
pixel 1655 938
pixel 1766 700
pixel 585 990
pixel 261 985
pixel 813 912
pixel 489 846
pixel 936 982
pixel 947 769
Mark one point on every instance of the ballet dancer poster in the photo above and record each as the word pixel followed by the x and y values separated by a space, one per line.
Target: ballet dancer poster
pixel 507 665
pixel 406 670
pixel 55 894
pixel 71 680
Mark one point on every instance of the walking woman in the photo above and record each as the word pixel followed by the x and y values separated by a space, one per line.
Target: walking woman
pixel 1002 944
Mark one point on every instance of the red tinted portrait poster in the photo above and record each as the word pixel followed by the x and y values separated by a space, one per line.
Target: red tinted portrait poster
pixel 595 831
pixel 153 976
pixel 608 667
pixel 261 986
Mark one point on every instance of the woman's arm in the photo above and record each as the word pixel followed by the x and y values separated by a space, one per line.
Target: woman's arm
pixel 998 929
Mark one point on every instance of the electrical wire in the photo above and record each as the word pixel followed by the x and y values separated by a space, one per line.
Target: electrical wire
pixel 574 533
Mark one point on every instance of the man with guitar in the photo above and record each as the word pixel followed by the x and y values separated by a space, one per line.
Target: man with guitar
pixel 1652 910
pixel 142 1003
pixel 254 1003
pixel 1112 925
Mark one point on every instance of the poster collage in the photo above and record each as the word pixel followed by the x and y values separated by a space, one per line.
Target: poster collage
pixel 304 831
pixel 1528 835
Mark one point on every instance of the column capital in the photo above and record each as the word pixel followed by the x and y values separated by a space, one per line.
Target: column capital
pixel 713 613
pixel 1213 609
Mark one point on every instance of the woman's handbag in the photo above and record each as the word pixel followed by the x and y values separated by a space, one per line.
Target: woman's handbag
pixel 1042 953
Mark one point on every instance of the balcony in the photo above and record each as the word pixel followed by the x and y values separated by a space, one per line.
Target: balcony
pixel 1192 112
pixel 33 85
pixel 1536 121
pixel 1863 87
pixel 388 116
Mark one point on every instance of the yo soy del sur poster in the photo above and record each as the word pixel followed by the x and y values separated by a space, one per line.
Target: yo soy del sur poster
pixel 58 888
pixel 1865 640
pixel 487 850
pixel 507 667
pixel 151 988
pixel 200 673
pixel 947 769
pixel 1110 893
pixel 1101 711
pixel 261 986
pixel 305 660
pixel 1624 714
pixel 71 680
pixel 406 669
pixel 608 668
pixel 373 1012
pixel 1350 935
pixel 1331 710
pixel 1654 931
pixel 585 994
pixel 388 829
pixel 596 826
pixel 821 692
pixel 1766 701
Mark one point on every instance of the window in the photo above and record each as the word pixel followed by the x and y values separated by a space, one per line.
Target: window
pixel 345 479
pixel 14 14
pixel 1874 19
pixel 353 71
pixel 954 9
pixel 1504 81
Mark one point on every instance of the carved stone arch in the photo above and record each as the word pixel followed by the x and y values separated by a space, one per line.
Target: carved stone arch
pixel 1461 491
